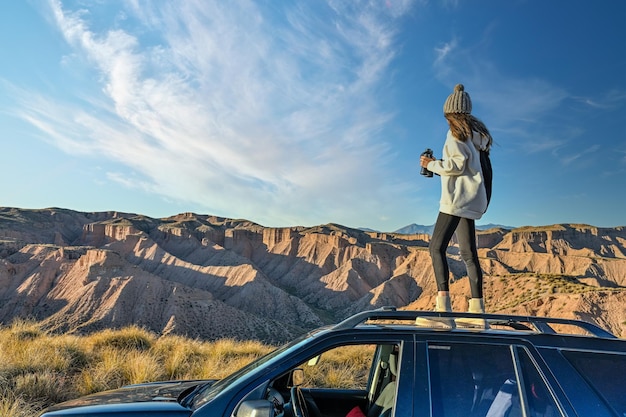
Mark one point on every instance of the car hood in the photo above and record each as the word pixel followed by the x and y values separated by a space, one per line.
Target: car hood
pixel 168 391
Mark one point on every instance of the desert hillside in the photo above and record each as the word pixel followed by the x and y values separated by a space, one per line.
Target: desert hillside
pixel 209 277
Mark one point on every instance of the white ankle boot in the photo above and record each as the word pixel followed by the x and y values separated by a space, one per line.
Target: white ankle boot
pixel 476 305
pixel 442 304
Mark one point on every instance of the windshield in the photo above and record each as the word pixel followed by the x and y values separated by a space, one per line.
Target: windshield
pixel 211 391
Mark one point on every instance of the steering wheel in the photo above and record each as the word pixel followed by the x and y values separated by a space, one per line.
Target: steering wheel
pixel 276 399
pixel 298 403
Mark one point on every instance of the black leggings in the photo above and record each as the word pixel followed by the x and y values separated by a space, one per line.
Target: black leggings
pixel 466 235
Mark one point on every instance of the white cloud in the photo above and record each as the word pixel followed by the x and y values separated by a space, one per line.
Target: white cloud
pixel 579 156
pixel 610 100
pixel 442 54
pixel 231 107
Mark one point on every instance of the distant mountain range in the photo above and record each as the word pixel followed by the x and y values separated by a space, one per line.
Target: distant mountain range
pixel 413 228
pixel 211 277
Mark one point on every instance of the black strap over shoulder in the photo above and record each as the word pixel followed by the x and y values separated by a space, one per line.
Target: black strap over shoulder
pixel 485 164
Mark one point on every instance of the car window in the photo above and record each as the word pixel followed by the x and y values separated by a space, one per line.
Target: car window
pixel 605 373
pixel 345 367
pixel 540 401
pixel 356 378
pixel 472 380
pixel 210 391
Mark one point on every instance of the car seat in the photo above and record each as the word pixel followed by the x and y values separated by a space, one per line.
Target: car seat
pixel 383 405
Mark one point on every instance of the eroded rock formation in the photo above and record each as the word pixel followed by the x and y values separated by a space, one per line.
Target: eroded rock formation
pixel 209 277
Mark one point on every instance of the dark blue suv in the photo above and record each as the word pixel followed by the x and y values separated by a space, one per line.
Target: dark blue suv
pixel 379 363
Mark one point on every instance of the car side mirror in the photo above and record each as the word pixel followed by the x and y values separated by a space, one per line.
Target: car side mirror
pixel 255 408
pixel 297 377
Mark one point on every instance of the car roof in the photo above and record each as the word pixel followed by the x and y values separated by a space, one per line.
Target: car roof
pixel 539 331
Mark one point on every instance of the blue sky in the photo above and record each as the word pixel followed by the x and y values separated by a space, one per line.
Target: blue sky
pixel 309 112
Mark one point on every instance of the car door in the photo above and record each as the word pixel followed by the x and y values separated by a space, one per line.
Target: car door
pixel 479 378
pixel 347 373
pixel 359 377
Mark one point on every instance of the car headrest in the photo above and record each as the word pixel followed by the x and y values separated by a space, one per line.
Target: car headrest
pixel 393 364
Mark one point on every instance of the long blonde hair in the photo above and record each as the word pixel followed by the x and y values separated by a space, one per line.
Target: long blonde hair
pixel 463 124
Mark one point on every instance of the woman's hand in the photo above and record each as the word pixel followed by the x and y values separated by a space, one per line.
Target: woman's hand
pixel 424 160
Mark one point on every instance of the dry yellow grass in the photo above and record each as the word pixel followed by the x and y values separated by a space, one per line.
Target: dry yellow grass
pixel 38 369
pixel 132 337
pixel 181 358
pixel 14 406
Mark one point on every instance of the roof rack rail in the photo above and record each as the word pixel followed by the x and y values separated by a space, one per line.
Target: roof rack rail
pixel 539 324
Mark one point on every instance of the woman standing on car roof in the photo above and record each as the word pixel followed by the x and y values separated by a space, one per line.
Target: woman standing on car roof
pixel 465 195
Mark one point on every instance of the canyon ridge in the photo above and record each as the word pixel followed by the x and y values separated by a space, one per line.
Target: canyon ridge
pixel 209 277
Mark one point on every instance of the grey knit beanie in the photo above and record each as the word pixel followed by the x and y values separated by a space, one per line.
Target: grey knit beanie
pixel 458 102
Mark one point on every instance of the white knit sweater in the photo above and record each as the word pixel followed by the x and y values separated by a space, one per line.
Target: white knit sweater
pixel 462 188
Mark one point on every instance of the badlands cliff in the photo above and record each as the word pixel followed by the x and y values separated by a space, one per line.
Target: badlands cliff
pixel 210 277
